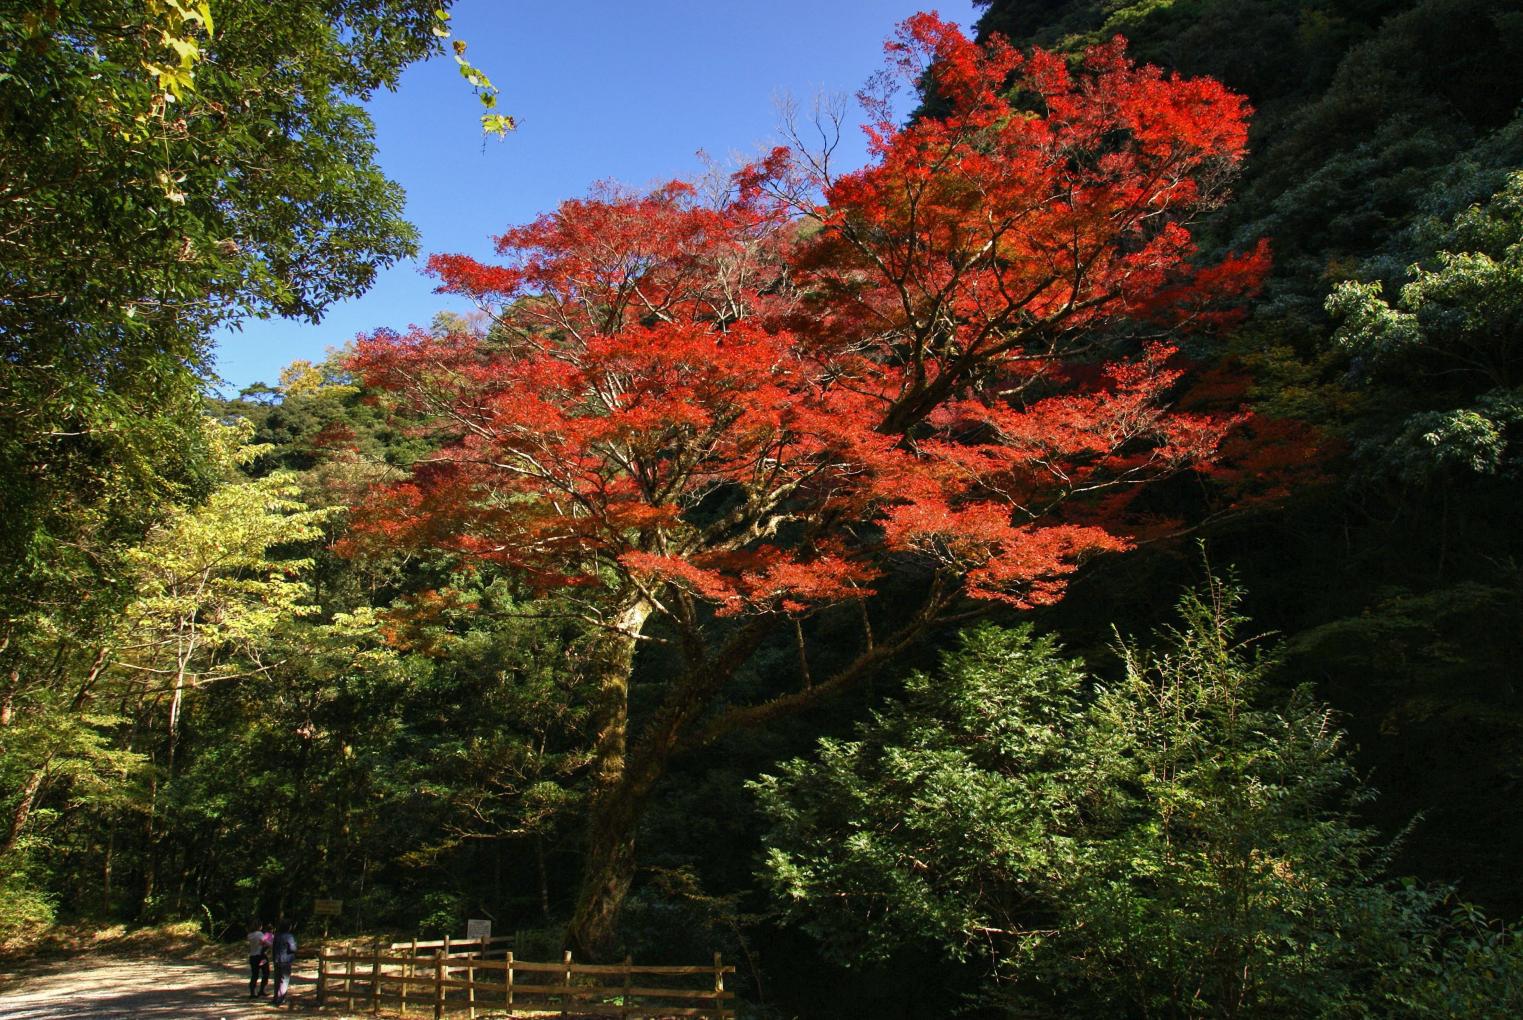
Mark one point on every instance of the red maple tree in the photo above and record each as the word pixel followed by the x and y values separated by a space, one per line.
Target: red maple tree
pixel 707 418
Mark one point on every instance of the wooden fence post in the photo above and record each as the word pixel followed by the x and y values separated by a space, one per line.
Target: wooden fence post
pixel 322 977
pixel 410 969
pixel 509 979
pixel 629 970
pixel 470 986
pixel 438 983
pixel 566 997
pixel 349 980
pixel 718 986
pixel 375 981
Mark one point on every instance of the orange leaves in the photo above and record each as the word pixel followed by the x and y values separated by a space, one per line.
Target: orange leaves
pixel 695 396
pixel 762 579
pixel 571 459
pixel 1029 569
pixel 1181 121
pixel 419 622
pixel 616 259
pixel 461 274
pixel 710 584
pixel 1208 296
pixel 997 231
pixel 935 55
pixel 1020 564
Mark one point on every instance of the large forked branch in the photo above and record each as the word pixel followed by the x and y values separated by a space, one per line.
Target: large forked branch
pixel 868 661
pixel 687 698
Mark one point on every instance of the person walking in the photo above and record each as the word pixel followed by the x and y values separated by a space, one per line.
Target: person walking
pixel 259 958
pixel 284 954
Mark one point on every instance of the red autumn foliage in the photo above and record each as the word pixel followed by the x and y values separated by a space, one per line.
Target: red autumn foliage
pixel 759 400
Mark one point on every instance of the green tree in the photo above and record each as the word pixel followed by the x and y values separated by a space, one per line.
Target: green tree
pixel 165 166
pixel 209 585
pixel 1455 331
pixel 164 171
pixel 209 580
pixel 1172 844
pixel 1392 571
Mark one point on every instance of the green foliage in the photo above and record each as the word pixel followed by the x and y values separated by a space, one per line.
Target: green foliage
pixel 168 165
pixel 1457 321
pixel 492 122
pixel 1176 843
pixel 1462 313
pixel 1249 43
pixel 876 841
pixel 1182 835
pixel 201 597
pixel 1386 135
pixel 209 578
pixel 165 171
pixel 28 907
pixel 1437 963
pixel 1363 105
pixel 1431 446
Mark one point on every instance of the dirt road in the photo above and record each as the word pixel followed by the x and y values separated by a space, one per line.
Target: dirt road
pixel 115 988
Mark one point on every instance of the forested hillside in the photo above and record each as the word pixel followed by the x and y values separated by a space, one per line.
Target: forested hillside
pixel 1067 567
pixel 1383 162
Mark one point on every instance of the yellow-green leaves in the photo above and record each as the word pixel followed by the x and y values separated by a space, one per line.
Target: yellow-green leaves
pixel 492 123
pixel 221 577
pixel 179 24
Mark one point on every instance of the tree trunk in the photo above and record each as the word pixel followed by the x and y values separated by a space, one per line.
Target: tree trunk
pixel 614 808
pixel 608 868
pixel 105 887
pixel 544 878
pixel 151 849
pixel 613 662
pixel 23 808
pixel 8 699
pixel 620 794
pixel 176 706
pixel 28 791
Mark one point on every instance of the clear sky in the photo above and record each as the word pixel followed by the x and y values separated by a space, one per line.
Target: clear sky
pixel 624 90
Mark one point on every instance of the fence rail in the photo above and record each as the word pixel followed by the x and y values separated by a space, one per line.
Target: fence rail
pixel 466 981
pixel 494 946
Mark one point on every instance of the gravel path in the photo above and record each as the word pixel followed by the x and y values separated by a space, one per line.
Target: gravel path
pixel 116 988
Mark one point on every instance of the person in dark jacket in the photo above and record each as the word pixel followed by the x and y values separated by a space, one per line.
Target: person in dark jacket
pixel 283 954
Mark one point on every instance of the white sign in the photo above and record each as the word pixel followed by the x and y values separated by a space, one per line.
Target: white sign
pixel 478 930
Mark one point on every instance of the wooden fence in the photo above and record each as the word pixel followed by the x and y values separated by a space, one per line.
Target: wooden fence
pixel 467 982
pixel 497 945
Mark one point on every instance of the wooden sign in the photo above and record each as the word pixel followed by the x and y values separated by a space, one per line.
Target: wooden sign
pixel 327 908
pixel 477 929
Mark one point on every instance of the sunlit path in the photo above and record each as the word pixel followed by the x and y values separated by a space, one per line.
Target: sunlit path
pixel 105 989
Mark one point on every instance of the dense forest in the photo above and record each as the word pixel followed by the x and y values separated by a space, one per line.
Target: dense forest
pixel 1067 567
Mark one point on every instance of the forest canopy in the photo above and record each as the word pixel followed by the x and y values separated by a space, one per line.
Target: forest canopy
pixel 1067 565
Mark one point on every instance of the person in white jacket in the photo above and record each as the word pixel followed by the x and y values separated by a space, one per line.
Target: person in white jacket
pixel 259 939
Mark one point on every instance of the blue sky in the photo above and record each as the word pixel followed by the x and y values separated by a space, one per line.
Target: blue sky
pixel 602 90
